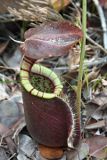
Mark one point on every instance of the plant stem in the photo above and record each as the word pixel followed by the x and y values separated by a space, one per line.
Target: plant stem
pixel 82 55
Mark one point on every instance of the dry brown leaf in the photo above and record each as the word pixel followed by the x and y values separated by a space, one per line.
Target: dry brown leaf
pixel 26 147
pixel 3 46
pixel 3 155
pixel 13 59
pixel 74 58
pixel 95 111
pixel 78 154
pixel 97 144
pixel 4 89
pixel 97 107
pixel 100 99
pixel 102 154
pixel 17 127
pixel 91 76
pixel 96 125
pixel 4 133
pixel 13 114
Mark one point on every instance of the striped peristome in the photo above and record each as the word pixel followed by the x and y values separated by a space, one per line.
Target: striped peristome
pixel 29 66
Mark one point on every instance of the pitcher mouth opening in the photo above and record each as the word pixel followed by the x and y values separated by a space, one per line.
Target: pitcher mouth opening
pixel 30 81
pixel 41 83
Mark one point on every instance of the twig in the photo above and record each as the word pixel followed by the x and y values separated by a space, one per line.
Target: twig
pixel 6 18
pixel 95 43
pixel 8 68
pixel 14 40
pixel 88 64
pixel 98 63
pixel 12 156
pixel 103 21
